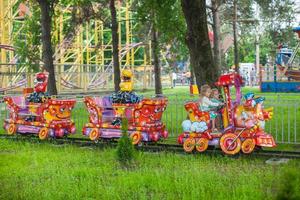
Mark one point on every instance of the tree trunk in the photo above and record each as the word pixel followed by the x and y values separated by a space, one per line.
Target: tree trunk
pixel 236 51
pixel 192 77
pixel 155 52
pixel 216 29
pixel 47 46
pixel 198 42
pixel 115 43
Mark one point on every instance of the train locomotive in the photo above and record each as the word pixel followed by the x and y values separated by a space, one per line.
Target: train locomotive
pixel 143 114
pixel 243 123
pixel 37 113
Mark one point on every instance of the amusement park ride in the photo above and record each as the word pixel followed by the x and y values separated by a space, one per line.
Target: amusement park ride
pixel 37 113
pixel 284 76
pixel 82 60
pixel 243 123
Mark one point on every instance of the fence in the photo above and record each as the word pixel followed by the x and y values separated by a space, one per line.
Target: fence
pixel 284 125
pixel 79 78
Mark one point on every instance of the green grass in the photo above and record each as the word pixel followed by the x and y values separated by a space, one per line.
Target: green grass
pixel 45 171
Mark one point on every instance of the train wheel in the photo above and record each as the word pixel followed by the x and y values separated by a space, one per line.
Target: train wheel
pixel 201 144
pixel 189 145
pixel 94 134
pixel 11 129
pixel 248 146
pixel 136 137
pixel 43 133
pixel 230 144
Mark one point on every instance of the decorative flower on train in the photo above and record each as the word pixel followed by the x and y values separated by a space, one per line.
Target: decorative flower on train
pixel 186 125
pixel 199 127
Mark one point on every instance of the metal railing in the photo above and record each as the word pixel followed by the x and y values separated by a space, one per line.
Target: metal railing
pixel 76 77
pixel 284 126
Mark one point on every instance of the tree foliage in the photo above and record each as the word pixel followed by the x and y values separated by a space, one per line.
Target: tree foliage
pixel 270 20
pixel 163 22
pixel 27 42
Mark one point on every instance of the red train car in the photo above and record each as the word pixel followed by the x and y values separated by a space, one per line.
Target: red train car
pixel 52 118
pixel 144 119
pixel 36 113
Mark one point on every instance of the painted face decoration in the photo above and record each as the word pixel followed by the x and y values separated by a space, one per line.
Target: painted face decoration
pixel 150 113
pixel 59 110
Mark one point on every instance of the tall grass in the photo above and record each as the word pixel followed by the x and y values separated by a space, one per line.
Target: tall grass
pixel 45 171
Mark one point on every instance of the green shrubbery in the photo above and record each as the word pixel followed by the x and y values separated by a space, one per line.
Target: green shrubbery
pixel 125 149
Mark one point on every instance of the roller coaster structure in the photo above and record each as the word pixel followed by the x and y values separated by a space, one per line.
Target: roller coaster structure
pixel 83 61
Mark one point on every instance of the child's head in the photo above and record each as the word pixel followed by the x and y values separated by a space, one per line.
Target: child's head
pixel 205 90
pixel 215 93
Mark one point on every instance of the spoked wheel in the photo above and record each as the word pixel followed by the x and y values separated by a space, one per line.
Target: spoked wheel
pixel 11 129
pixel 94 134
pixel 201 144
pixel 43 133
pixel 248 146
pixel 189 145
pixel 136 138
pixel 230 144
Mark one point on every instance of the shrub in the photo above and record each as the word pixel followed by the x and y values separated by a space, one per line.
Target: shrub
pixel 125 149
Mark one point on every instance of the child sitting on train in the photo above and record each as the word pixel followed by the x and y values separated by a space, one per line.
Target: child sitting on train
pixel 215 97
pixel 206 104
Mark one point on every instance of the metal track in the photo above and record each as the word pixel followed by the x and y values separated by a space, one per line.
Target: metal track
pixel 151 147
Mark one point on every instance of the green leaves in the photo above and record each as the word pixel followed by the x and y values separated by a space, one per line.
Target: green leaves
pixel 27 41
pixel 125 149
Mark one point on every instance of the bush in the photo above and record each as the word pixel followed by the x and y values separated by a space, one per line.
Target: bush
pixel 125 149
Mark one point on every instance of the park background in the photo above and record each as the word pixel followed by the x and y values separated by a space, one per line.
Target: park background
pixel 152 38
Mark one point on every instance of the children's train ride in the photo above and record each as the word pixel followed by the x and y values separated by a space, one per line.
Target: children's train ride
pixel 242 123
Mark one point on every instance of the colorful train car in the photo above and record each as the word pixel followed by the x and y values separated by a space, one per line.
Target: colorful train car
pixel 37 113
pixel 144 119
pixel 144 115
pixel 243 123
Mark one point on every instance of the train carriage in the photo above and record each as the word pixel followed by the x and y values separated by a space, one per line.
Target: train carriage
pixel 37 113
pixel 144 119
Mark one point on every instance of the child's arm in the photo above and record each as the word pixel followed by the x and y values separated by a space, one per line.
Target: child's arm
pixel 208 102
